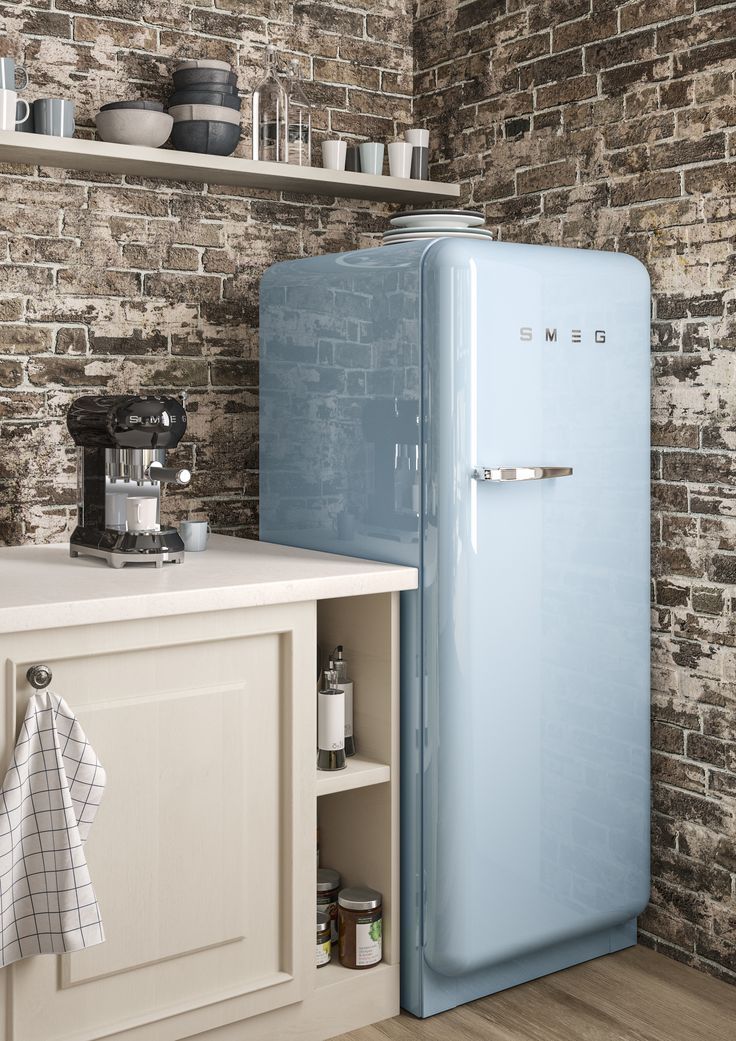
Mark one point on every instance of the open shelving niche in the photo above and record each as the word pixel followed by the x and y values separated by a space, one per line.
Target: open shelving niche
pixel 358 808
pixel 101 157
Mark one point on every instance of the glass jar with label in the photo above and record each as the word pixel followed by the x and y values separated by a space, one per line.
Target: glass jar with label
pixel 328 886
pixel 324 939
pixel 361 927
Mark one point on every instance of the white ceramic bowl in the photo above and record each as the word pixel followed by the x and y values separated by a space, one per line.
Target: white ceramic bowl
pixel 134 126
pixel 184 113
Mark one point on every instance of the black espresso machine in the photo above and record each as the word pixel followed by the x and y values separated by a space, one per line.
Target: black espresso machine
pixel 121 453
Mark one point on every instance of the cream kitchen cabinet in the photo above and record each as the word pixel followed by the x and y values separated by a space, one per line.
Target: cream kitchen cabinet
pixel 196 687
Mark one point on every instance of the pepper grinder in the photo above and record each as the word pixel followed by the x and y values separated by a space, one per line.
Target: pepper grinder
pixel 341 668
pixel 331 724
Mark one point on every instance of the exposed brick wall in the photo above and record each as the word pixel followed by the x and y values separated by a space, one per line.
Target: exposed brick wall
pixel 603 124
pixel 112 284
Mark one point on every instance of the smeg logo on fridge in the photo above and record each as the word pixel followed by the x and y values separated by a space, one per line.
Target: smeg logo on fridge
pixel 551 334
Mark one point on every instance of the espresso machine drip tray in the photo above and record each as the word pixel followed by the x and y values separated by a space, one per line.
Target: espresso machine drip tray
pixel 119 548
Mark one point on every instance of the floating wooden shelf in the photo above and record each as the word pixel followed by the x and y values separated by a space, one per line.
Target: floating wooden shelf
pixel 72 154
pixel 357 774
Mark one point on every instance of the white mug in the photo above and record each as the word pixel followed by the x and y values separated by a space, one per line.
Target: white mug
pixel 194 535
pixel 371 157
pixel 140 513
pixel 334 154
pixel 399 158
pixel 9 101
pixel 417 137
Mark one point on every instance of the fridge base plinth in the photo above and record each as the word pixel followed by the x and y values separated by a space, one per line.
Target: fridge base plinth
pixel 440 993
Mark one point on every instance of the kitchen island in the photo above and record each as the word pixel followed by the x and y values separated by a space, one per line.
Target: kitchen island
pixel 195 684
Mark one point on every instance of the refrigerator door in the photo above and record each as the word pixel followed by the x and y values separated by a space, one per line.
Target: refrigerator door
pixel 535 601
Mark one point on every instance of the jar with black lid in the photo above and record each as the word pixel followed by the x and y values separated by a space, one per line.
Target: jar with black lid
pixel 328 886
pixel 361 927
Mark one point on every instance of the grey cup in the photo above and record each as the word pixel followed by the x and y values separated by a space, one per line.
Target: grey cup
pixel 54 116
pixel 352 158
pixel 420 163
pixel 12 76
pixel 371 157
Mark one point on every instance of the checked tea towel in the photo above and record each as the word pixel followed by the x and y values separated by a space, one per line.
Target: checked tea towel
pixel 48 804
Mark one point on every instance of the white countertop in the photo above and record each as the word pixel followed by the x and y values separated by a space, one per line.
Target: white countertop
pixel 43 587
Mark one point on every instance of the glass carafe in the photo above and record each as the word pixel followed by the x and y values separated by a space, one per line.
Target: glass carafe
pixel 298 118
pixel 269 113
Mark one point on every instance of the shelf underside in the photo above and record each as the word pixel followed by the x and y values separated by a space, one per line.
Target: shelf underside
pixel 97 156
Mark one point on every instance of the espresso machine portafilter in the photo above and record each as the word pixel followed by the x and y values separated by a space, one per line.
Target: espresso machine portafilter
pixel 121 465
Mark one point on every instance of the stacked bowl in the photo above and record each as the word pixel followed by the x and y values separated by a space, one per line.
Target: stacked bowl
pixel 205 107
pixel 134 123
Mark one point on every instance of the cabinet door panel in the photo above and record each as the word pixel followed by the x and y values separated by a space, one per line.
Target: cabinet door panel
pixel 193 854
pixel 175 827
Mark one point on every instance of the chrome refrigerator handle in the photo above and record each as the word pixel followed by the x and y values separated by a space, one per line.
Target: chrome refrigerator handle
pixel 520 473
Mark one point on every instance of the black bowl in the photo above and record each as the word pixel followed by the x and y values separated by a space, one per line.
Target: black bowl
pixel 184 79
pixel 149 106
pixel 204 97
pixel 211 88
pixel 205 135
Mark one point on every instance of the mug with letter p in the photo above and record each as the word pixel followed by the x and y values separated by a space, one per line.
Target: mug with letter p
pixel 9 105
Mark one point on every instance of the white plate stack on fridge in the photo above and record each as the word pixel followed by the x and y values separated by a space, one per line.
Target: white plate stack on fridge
pixel 411 225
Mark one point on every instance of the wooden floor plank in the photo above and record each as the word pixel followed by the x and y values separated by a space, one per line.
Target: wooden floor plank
pixel 634 995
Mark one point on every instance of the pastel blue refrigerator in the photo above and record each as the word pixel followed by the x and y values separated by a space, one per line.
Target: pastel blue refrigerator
pixel 480 411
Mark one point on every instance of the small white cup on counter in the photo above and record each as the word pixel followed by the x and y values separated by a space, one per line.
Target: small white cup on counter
pixel 334 154
pixel 399 158
pixel 194 535
pixel 371 157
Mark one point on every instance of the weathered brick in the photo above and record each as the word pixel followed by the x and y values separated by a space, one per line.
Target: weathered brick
pixel 118 34
pixel 644 12
pixel 553 175
pixel 685 152
pixel 693 807
pixel 645 187
pixel 620 79
pixel 71 340
pixel 621 50
pixel 575 89
pixel 24 339
pixel 549 70
pixel 667 738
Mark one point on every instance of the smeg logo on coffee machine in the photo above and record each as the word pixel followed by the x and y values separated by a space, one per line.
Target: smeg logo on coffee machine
pixel 163 420
pixel 552 334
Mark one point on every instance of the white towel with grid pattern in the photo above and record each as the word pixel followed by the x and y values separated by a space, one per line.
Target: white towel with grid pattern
pixel 49 801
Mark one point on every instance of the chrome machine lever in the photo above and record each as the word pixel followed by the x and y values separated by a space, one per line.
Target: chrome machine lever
pixel 168 474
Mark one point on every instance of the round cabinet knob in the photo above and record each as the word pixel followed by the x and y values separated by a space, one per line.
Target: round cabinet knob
pixel 39 676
